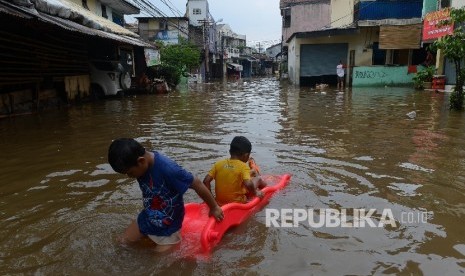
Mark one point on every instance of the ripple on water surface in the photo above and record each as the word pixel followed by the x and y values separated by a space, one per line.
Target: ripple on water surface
pixel 63 206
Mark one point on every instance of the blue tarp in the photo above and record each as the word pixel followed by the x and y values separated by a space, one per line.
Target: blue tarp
pixel 388 9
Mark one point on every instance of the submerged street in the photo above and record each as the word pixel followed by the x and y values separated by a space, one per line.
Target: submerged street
pixel 62 206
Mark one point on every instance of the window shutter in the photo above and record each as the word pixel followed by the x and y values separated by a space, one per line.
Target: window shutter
pixel 400 37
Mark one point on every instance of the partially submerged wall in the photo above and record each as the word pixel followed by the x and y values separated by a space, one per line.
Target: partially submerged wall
pixel 381 76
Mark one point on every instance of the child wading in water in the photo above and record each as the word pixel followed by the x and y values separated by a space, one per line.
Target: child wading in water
pixel 163 183
pixel 234 180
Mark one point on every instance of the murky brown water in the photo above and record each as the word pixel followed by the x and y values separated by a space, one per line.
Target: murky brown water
pixel 62 206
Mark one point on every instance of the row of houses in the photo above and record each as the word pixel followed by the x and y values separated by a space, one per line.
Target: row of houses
pixel 380 41
pixel 60 51
pixel 224 52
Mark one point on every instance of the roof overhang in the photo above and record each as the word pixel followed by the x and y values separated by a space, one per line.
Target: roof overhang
pixel 234 66
pixel 327 32
pixel 75 27
pixel 18 11
pixel 390 21
pixel 31 14
pixel 121 6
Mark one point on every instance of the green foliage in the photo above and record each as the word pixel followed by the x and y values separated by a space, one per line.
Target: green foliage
pixel 424 75
pixel 176 60
pixel 184 55
pixel 453 47
pixel 167 72
pixel 456 100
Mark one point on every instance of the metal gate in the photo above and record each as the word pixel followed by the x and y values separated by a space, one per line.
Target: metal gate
pixel 321 59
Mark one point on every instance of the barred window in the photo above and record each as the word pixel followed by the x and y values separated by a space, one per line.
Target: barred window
pixel 287 18
pixel 104 11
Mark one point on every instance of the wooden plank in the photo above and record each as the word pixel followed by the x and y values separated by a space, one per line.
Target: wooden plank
pixel 400 37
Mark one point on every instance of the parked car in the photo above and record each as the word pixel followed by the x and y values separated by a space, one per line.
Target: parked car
pixel 108 78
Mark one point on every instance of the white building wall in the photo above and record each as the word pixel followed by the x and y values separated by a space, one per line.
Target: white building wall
pixel 293 61
pixel 110 13
pixel 458 3
pixel 225 29
pixel 197 4
pixel 98 10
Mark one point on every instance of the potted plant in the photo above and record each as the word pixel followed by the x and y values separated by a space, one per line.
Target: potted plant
pixel 424 77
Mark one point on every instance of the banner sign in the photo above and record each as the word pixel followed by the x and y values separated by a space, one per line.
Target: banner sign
pixel 431 30
pixel 168 37
pixel 152 57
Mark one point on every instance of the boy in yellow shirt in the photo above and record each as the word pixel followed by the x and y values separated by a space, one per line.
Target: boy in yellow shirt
pixel 233 180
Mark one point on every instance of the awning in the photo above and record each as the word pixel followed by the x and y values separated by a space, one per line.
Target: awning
pixel 328 32
pixel 400 37
pixel 234 66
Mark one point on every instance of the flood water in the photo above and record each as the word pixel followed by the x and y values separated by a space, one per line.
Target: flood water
pixel 62 206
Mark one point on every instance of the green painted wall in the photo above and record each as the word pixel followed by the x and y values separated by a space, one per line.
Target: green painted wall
pixel 429 6
pixel 381 76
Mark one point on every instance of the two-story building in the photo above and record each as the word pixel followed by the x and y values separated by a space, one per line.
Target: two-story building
pixel 202 32
pixel 230 45
pixel 377 40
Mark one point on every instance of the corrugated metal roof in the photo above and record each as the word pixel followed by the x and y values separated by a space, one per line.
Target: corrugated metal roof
pixel 121 6
pixel 72 11
pixel 69 25
pixel 7 8
pixel 73 26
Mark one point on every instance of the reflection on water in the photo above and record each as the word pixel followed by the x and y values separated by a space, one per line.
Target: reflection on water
pixel 62 206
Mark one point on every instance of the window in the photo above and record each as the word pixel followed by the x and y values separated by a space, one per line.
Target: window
pixel 84 4
pixel 104 11
pixel 197 11
pixel 445 4
pixel 118 18
pixel 379 56
pixel 287 18
pixel 163 25
pixel 126 60
pixel 401 56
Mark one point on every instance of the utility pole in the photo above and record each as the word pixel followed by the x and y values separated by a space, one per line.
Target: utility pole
pixel 206 46
pixel 223 73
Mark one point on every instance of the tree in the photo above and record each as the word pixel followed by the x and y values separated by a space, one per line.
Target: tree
pixel 178 59
pixel 453 47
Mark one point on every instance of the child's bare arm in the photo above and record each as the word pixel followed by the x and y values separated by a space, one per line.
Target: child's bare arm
pixel 207 182
pixel 206 195
pixel 251 187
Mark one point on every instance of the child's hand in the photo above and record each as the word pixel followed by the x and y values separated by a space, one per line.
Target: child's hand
pixel 259 193
pixel 253 173
pixel 217 212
